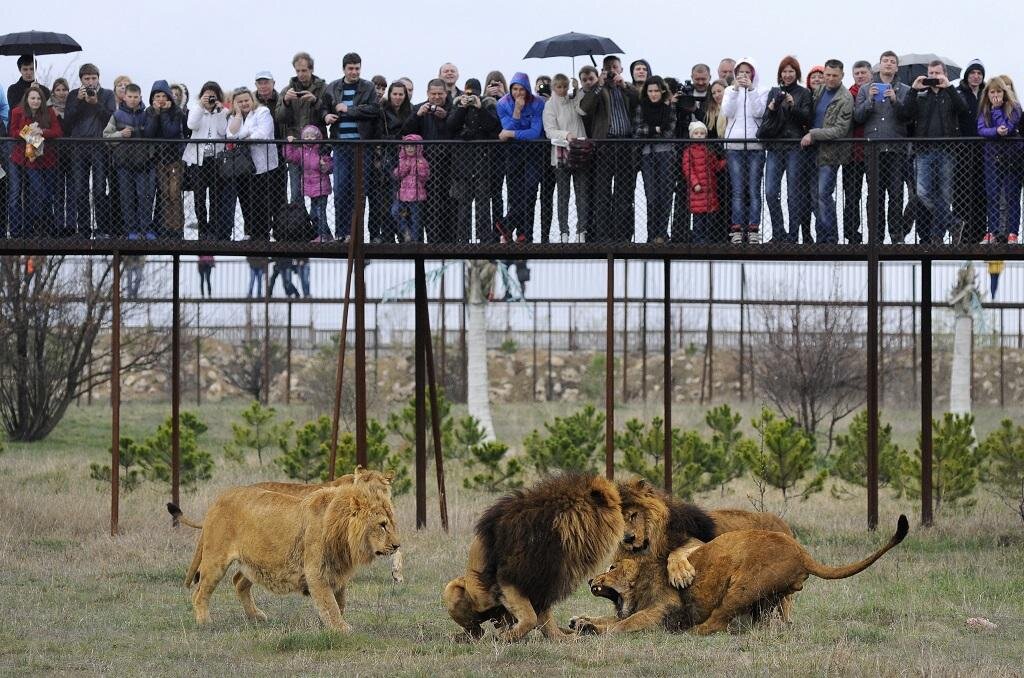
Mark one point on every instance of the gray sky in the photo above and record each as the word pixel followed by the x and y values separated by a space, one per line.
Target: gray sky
pixel 193 41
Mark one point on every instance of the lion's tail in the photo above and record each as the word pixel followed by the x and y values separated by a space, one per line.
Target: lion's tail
pixel 177 517
pixel 826 572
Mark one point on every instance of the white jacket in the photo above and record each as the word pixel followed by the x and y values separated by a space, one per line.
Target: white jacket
pixel 743 110
pixel 204 125
pixel 562 116
pixel 259 124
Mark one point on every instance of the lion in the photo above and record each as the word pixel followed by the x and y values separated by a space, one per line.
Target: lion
pixel 531 549
pixel 311 544
pixel 374 480
pixel 739 572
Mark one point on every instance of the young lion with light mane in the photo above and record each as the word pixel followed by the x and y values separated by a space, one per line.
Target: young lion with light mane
pixel 291 544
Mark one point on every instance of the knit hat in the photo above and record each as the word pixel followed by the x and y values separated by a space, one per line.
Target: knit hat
pixel 473 85
pixel 640 61
pixel 814 69
pixel 974 65
pixel 697 125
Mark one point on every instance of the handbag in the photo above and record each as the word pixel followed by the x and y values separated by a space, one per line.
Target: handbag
pixel 773 122
pixel 581 154
pixel 234 162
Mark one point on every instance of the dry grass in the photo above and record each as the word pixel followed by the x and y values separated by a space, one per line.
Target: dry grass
pixel 75 600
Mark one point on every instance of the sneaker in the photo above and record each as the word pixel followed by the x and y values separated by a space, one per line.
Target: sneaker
pixel 150 235
pixel 521 237
pixel 564 238
pixel 989 239
pixel 753 234
pixel 736 234
pixel 581 236
pixel 1011 239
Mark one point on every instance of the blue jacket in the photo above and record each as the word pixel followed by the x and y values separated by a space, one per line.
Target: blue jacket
pixel 5 114
pixel 85 120
pixel 530 124
pixel 1006 149
pixel 165 123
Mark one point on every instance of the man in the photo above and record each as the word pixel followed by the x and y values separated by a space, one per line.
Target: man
pixel 542 86
pixel 853 171
pixel 349 108
pixel 430 121
pixel 936 110
pixel 639 71
pixel 296 108
pixel 407 81
pixel 726 69
pixel 969 197
pixel 833 114
pixel 27 67
pixel 473 118
pixel 450 75
pixel 85 116
pixel 881 108
pixel 607 104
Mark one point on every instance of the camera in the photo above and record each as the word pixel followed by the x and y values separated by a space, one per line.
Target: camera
pixel 931 82
pixel 687 89
pixel 90 91
pixel 544 90
pixel 211 100
pixel 431 108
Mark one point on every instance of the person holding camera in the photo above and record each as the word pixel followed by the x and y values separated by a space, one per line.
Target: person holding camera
pixel 296 108
pixel 208 122
pixel 496 86
pixel 563 124
pixel 430 121
pixel 743 106
pixel 788 117
pixel 656 119
pixel 87 113
pixel 542 86
pixel 936 109
pixel 474 119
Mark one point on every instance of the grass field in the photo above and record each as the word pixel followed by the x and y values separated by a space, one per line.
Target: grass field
pixel 77 601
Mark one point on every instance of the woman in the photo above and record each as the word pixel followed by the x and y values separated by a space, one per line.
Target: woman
pixel 62 180
pixel 743 106
pixel 495 86
pixel 563 122
pixel 396 109
pixel 999 120
pixel 251 120
pixel 715 122
pixel 120 83
pixel 33 166
pixel 208 123
pixel 522 120
pixel 789 115
pixel 655 118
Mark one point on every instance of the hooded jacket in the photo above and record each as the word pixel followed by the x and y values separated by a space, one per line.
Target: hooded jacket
pixel 206 126
pixel 530 124
pixel 640 61
pixel 293 116
pixel 968 122
pixel 412 172
pixel 364 109
pixel 1001 151
pixel 743 110
pixel 701 166
pixel 164 123
pixel 836 125
pixel 315 161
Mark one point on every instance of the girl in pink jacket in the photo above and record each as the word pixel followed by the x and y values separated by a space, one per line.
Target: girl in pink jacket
pixel 315 161
pixel 412 173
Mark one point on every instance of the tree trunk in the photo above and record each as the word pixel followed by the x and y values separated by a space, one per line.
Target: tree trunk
pixel 477 391
pixel 960 374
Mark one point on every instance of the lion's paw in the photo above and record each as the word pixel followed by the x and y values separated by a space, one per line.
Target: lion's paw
pixel 582 626
pixel 342 627
pixel 258 615
pixel 680 572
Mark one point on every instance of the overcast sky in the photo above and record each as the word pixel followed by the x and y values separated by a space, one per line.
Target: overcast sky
pixel 196 40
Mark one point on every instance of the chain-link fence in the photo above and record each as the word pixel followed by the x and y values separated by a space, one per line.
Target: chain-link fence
pixel 954 192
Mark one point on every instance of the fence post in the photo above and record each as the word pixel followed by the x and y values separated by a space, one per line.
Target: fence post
pixel 421 410
pixel 872 387
pixel 926 392
pixel 743 286
pixel 288 357
pixel 266 333
pixel 547 389
pixel 199 366
pixel 609 373
pixel 666 321
pixel 175 378
pixel 435 421
pixel 115 396
pixel 643 339
pixel 625 329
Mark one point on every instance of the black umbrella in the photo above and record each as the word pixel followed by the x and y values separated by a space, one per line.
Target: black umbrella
pixel 573 45
pixel 913 65
pixel 36 43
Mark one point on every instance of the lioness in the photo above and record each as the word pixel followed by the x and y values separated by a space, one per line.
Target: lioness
pixel 740 572
pixel 532 548
pixel 374 480
pixel 290 544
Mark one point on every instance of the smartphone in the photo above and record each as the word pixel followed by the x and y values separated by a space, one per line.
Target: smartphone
pixel 882 88
pixel 931 82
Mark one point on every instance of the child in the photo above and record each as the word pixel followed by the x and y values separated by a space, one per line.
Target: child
pixel 133 165
pixel 315 163
pixel 412 173
pixel 700 167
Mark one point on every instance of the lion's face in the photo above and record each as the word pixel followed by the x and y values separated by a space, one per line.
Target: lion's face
pixel 617 585
pixel 382 534
pixel 635 538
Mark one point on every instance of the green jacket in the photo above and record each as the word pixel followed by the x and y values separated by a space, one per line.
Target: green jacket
pixel 837 125
pixel 293 116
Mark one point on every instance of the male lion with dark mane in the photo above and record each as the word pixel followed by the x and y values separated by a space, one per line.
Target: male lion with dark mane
pixel 531 549
pixel 288 544
pixel 739 572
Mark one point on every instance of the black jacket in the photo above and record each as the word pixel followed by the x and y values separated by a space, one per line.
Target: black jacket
pixel 430 127
pixel 390 123
pixel 469 123
pixel 796 119
pixel 969 120
pixel 936 114
pixel 365 107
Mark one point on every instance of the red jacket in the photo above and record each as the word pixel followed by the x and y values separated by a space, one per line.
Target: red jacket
pixel 49 157
pixel 700 166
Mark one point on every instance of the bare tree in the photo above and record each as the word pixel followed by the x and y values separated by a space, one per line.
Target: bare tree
pixel 812 364
pixel 52 311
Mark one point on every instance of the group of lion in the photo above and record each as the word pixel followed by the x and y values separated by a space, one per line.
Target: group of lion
pixel 674 565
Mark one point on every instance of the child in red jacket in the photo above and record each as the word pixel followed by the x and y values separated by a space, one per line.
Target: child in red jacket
pixel 701 166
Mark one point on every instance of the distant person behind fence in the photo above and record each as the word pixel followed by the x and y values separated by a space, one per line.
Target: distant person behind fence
pixel 205 265
pixel 257 267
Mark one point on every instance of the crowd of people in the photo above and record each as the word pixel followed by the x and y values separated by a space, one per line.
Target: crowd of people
pixel 584 138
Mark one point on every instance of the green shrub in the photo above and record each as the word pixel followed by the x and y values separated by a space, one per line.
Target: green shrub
pixel 131 475
pixel 783 458
pixel 509 346
pixel 727 443
pixel 468 434
pixel 378 456
pixel 498 474
pixel 403 424
pixel 571 444
pixel 1004 450
pixel 851 465
pixel 307 457
pixel 695 468
pixel 257 434
pixel 956 462
pixel 196 464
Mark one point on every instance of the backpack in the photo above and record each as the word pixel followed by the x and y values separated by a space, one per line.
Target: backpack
pixel 292 224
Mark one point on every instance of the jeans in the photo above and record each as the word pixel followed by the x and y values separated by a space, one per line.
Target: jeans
pixel 302 269
pixel 283 269
pixel 658 184
pixel 563 178
pixel 88 160
pixel 1002 182
pixel 344 187
pixel 935 189
pixel 409 221
pixel 318 215
pixel 295 183
pixel 853 189
pixel 523 170
pixel 547 199
pixel 793 162
pixel 827 230
pixel 704 227
pixel 136 189
pixel 205 288
pixel 745 171
pixel 36 216
pixel 255 279
pixel 892 172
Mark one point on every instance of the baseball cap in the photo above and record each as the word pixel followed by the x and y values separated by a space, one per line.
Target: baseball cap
pixel 264 75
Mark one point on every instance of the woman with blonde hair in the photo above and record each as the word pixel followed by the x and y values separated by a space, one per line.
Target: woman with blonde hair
pixel 251 120
pixel 999 120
